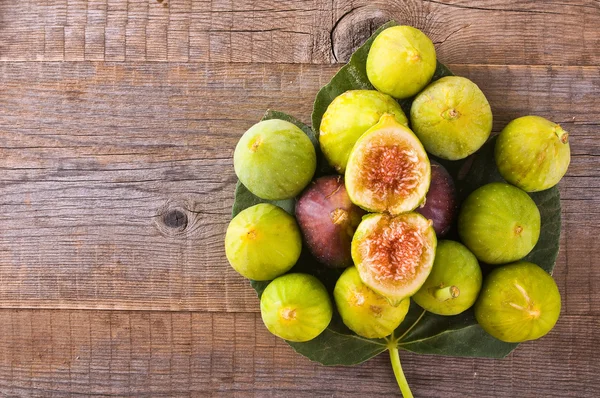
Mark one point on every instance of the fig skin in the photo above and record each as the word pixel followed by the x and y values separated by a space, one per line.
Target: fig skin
pixel 328 219
pixel 499 223
pixel 532 153
pixel 451 117
pixel 401 61
pixel 252 236
pixel 275 160
pixel 388 169
pixel 366 313
pixel 518 302
pixel 394 254
pixel 347 118
pixel 296 307
pixel 454 282
pixel 440 203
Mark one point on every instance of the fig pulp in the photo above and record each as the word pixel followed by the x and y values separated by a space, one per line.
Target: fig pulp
pixel 388 169
pixel 401 61
pixel 518 302
pixel 275 160
pixel 451 117
pixel 347 118
pixel 296 307
pixel 454 282
pixel 252 237
pixel 440 202
pixel 499 223
pixel 533 153
pixel 328 219
pixel 394 255
pixel 366 313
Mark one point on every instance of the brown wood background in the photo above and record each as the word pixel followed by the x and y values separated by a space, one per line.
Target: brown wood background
pixel 117 114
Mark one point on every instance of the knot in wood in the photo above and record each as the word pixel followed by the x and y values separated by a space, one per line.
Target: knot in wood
pixel 354 27
pixel 177 218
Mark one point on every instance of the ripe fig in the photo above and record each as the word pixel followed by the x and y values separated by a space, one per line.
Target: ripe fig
pixel 328 219
pixel 347 117
pixel 275 160
pixel 366 313
pixel 252 237
pixel 499 223
pixel 394 255
pixel 296 307
pixel 454 282
pixel 440 202
pixel 451 117
pixel 518 302
pixel 401 61
pixel 533 153
pixel 388 169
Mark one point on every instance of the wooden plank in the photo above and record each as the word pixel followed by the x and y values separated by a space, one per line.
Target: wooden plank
pixel 94 156
pixel 178 354
pixel 295 31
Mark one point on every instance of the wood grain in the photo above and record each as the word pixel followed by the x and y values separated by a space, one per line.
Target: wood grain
pixel 295 31
pixel 95 156
pixel 124 353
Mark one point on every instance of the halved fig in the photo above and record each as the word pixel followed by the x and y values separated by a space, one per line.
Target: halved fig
pixel 394 254
pixel 388 169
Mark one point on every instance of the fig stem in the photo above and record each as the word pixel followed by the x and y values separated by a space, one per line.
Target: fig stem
pixel 446 293
pixel 400 378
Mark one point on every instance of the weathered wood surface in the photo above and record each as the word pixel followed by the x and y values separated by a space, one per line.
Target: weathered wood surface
pixel 131 353
pixel 553 32
pixel 99 161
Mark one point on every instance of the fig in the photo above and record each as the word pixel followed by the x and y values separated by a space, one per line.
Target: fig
pixel 296 307
pixel 533 153
pixel 518 302
pixel 328 219
pixel 366 313
pixel 440 201
pixel 347 118
pixel 275 160
pixel 394 254
pixel 451 117
pixel 401 61
pixel 388 169
pixel 499 223
pixel 263 242
pixel 454 282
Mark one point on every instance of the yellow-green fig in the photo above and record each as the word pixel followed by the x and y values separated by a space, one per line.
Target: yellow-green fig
pixel 518 302
pixel 533 153
pixel 454 282
pixel 263 242
pixel 347 118
pixel 366 313
pixel 401 61
pixel 451 117
pixel 296 307
pixel 275 160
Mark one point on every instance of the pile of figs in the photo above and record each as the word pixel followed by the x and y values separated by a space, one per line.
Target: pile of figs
pixel 383 213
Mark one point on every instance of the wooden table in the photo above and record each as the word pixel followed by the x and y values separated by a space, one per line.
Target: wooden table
pixel 118 120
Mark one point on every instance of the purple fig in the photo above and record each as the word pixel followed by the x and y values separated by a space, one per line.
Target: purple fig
pixel 440 202
pixel 328 220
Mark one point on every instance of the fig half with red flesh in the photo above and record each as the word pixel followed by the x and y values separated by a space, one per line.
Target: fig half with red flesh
pixel 394 254
pixel 328 220
pixel 440 202
pixel 388 169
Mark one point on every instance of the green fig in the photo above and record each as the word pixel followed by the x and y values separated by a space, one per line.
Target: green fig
pixel 533 153
pixel 347 117
pixel 518 302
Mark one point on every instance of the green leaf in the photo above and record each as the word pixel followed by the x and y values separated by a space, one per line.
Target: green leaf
pixel 421 332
